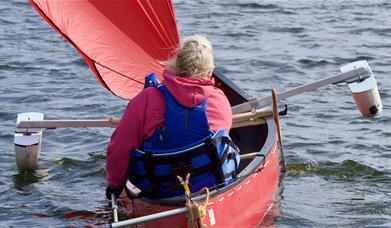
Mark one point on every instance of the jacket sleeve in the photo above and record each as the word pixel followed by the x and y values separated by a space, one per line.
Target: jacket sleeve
pixel 126 137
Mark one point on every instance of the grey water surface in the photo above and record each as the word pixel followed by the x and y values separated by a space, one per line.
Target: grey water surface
pixel 338 163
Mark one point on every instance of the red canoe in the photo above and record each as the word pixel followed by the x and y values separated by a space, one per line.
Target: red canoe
pixel 122 42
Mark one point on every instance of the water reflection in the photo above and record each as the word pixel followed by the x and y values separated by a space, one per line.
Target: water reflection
pixel 22 180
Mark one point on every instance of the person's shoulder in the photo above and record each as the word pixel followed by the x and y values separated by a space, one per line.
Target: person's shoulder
pixel 148 98
pixel 147 93
pixel 149 90
pixel 218 97
pixel 151 96
pixel 218 93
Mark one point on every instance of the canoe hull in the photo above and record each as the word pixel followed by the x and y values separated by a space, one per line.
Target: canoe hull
pixel 244 205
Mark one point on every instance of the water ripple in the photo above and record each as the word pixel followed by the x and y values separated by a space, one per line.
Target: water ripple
pixel 287 29
pixel 347 170
pixel 258 5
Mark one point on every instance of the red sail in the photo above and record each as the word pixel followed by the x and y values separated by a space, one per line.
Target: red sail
pixel 121 41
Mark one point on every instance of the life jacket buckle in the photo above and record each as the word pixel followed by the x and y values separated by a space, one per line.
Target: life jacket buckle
pixel 225 140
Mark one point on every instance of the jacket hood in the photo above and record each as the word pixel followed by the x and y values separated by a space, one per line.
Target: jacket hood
pixel 187 91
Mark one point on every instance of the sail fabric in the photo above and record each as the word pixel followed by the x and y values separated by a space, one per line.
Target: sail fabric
pixel 121 41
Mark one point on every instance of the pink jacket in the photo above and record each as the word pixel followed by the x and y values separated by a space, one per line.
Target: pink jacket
pixel 145 113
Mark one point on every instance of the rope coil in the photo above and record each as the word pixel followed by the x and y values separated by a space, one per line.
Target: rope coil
pixel 195 213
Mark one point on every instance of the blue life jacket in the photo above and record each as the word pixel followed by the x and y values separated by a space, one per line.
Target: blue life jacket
pixel 184 144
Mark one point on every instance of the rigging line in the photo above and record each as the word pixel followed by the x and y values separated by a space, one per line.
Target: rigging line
pixel 142 83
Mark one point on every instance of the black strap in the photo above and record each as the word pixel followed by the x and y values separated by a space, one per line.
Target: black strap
pixel 149 164
pixel 181 163
pixel 172 178
pixel 172 159
pixel 232 156
pixel 228 156
pixel 150 171
pixel 223 157
pixel 214 160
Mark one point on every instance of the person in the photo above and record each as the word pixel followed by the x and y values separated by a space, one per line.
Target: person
pixel 188 80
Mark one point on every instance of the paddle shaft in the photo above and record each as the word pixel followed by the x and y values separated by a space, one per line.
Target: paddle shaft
pixel 359 74
pixel 279 134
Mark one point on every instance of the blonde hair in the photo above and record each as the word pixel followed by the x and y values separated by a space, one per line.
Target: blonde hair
pixel 194 59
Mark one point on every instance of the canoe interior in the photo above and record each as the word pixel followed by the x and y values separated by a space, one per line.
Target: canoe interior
pixel 249 139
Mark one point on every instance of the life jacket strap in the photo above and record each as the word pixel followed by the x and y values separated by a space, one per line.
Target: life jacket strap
pixel 228 155
pixel 174 156
pixel 171 178
pixel 181 164
pixel 149 169
pixel 215 161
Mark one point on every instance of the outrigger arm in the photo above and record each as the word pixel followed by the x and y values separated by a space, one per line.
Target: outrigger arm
pixel 355 75
pixel 39 125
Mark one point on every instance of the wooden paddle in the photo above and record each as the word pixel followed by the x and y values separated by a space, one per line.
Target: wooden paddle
pixel 279 134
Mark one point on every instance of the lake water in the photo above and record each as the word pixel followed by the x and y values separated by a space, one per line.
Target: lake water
pixel 338 163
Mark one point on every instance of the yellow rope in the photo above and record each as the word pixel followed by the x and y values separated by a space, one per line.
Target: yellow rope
pixel 193 215
pixel 185 184
pixel 196 213
pixel 202 208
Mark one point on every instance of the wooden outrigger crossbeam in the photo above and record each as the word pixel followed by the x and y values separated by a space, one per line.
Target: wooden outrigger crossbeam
pixel 239 120
pixel 53 124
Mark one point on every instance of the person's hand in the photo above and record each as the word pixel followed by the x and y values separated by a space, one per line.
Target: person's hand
pixel 110 191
